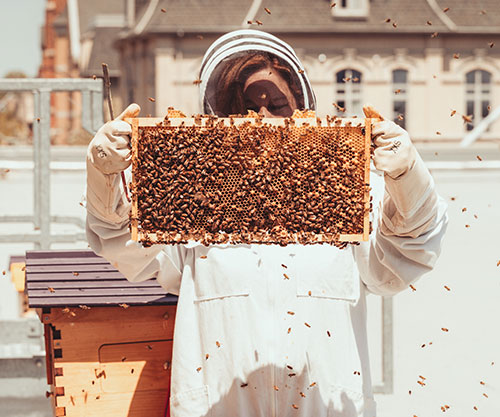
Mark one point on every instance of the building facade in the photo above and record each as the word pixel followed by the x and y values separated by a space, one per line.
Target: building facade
pixel 415 61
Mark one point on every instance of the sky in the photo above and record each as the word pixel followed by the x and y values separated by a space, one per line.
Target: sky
pixel 20 28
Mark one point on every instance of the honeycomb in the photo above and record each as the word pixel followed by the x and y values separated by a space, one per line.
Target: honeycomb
pixel 242 181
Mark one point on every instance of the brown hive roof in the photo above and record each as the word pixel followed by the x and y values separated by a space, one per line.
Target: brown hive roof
pixel 80 277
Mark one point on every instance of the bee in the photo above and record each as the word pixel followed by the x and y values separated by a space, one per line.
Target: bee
pixel 498 263
pixel 479 158
pixel 217 343
pixel 447 288
pixel 332 5
pixel 395 25
pixel 467 118
pixel 123 305
pixel 409 392
pixel 388 20
pixel 429 23
pixel 163 10
pixel 51 289
pixel 313 384
pixel 196 82
pixel 151 99
pixel 485 395
pixel 243 385
pixel 483 12
pixel 422 377
pixel 76 274
pixel 421 383
pixel 198 369
pixel 124 359
pixel 467 225
pixel 346 79
pixel 292 374
pixel 357 373
pixel 290 312
pixel 276 388
pixel 423 345
pixel 267 10
pixel 400 117
pixel 84 307
pixel 482 382
pixel 94 77
pixel 203 257
pixel 438 132
pixel 295 406
pixel 307 324
pixel 464 209
pixel 453 112
pixel 491 44
pixel 259 23
pixel 328 333
pixel 249 22
pixel 300 71
pixel 309 293
pixel 434 35
pixel 290 329
pixel 286 276
pixel 397 91
pixel 284 266
pixel 3 272
pixel 475 408
pixel 302 394
pixel 446 9
pixel 413 288
pixel 444 329
pixel 456 56
pixel 207 356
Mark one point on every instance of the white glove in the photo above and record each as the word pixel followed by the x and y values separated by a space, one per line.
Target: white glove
pixel 394 153
pixel 109 150
pixel 411 199
pixel 108 154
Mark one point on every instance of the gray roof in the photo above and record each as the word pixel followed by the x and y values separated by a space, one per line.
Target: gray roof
pixel 103 51
pixel 315 16
pixel 88 9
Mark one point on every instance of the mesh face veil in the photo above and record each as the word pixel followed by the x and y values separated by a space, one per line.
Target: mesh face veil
pixel 239 43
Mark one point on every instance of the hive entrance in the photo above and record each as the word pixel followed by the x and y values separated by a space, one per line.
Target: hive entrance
pixel 250 180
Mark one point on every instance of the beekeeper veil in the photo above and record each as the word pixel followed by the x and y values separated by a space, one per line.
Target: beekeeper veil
pixel 233 45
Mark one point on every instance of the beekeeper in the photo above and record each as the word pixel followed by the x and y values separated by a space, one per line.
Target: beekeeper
pixel 248 341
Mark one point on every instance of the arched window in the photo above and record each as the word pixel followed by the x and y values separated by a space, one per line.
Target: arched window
pixel 348 92
pixel 400 92
pixel 478 93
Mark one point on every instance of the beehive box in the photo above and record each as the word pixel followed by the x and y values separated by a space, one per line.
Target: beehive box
pixel 108 341
pixel 250 180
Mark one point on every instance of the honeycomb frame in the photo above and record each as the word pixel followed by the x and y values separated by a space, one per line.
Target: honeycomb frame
pixel 296 127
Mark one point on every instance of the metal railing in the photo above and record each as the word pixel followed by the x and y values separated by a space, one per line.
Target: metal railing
pixel 92 119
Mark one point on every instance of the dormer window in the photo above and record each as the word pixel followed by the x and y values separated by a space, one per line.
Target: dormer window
pixel 345 9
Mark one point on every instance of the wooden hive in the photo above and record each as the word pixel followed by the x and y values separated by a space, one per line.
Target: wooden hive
pixel 250 180
pixel 108 341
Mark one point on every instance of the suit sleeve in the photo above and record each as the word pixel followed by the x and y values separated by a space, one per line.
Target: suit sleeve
pixel 108 235
pixel 409 222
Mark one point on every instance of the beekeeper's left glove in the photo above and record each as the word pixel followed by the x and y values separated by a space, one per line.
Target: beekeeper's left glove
pixel 407 179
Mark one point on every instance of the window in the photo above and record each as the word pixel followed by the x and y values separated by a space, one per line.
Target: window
pixel 350 8
pixel 348 93
pixel 478 92
pixel 400 92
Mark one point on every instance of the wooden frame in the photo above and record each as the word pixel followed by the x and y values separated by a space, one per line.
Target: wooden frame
pixel 206 121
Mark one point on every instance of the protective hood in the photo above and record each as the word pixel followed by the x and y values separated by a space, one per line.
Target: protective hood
pixel 239 42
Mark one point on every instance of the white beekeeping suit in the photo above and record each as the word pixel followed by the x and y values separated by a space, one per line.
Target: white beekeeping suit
pixel 277 345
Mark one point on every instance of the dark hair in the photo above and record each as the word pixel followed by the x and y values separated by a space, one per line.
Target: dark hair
pixel 230 99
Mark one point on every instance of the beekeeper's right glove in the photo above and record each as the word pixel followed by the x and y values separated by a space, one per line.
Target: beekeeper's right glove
pixel 108 155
